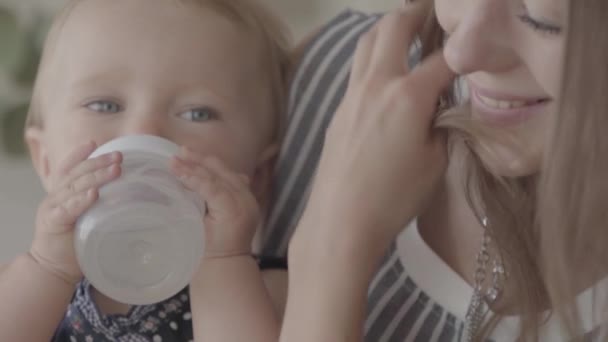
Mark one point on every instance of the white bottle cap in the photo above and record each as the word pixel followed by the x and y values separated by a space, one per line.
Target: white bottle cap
pixel 143 240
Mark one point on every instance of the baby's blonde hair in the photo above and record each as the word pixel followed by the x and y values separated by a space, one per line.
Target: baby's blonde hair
pixel 251 14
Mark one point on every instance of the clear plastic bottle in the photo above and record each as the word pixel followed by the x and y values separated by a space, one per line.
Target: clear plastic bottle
pixel 143 240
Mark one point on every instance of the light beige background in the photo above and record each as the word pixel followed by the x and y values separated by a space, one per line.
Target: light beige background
pixel 20 191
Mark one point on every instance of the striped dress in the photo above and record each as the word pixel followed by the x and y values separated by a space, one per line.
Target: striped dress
pixel 414 296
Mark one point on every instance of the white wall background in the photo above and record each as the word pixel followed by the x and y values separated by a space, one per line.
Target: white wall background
pixel 20 190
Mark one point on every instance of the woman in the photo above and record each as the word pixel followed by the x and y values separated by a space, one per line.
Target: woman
pixel 483 256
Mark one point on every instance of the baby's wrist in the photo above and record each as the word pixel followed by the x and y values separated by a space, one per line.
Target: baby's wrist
pixel 216 255
pixel 223 264
pixel 42 264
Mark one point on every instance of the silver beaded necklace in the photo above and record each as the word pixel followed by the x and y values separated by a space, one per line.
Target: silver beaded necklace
pixel 482 298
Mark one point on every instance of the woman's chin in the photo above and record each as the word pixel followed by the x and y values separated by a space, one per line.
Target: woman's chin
pixel 509 163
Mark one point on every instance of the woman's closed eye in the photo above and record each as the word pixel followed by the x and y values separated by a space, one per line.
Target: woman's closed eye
pixel 540 26
pixel 543 26
pixel 104 106
pixel 201 114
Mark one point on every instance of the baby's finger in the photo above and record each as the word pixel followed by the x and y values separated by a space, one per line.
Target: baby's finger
pixel 66 213
pixel 182 167
pixel 190 157
pixel 219 198
pixel 104 166
pixel 91 180
pixel 220 170
pixel 214 168
pixel 76 156
pixel 204 173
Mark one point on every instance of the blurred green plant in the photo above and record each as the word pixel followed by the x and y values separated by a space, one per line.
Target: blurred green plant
pixel 19 57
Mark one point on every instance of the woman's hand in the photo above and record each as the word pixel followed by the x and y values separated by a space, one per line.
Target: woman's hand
pixel 382 159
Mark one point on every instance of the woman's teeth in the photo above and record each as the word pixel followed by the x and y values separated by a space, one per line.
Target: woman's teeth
pixel 498 104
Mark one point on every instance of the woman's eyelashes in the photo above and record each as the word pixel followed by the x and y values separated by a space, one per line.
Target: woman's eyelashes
pixel 542 26
pixel 539 25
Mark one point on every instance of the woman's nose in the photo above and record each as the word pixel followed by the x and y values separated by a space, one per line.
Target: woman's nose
pixel 480 41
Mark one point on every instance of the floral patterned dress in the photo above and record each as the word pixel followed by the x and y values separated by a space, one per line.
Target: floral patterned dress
pixel 168 321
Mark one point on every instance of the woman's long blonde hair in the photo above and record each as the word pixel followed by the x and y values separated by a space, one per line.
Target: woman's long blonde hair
pixel 573 192
pixel 551 227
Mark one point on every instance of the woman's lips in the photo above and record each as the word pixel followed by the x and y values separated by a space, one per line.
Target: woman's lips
pixel 503 109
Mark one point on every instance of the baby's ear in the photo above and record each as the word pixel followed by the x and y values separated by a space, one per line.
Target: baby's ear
pixel 262 179
pixel 34 137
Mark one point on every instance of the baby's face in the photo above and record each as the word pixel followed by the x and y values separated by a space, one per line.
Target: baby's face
pixel 177 71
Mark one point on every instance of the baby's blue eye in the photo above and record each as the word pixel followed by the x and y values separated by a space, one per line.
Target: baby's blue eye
pixel 199 114
pixel 104 107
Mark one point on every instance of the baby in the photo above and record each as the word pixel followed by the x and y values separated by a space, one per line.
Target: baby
pixel 208 75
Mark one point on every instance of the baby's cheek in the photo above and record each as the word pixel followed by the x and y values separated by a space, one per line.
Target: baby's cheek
pixel 235 158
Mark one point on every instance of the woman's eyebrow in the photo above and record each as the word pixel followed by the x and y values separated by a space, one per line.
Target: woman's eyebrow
pixel 552 10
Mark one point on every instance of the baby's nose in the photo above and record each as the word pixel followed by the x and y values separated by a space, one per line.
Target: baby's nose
pixel 146 126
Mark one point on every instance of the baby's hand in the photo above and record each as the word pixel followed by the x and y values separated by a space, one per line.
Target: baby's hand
pixel 74 191
pixel 233 213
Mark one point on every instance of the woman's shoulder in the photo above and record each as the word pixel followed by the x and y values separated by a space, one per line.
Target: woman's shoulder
pixel 318 82
pixel 347 21
pixel 333 42
pixel 322 61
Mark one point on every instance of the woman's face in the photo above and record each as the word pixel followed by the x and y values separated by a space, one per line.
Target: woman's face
pixel 510 53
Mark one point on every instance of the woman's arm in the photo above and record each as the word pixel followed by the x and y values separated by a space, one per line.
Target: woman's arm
pixel 380 164
pixel 277 286
pixel 328 290
pixel 33 301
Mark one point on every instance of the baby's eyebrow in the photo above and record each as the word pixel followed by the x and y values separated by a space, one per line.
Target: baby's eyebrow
pixel 106 78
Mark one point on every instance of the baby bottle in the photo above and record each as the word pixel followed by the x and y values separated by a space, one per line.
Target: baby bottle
pixel 143 240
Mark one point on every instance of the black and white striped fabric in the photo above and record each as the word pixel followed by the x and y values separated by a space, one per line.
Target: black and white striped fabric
pixel 414 296
pixel 317 89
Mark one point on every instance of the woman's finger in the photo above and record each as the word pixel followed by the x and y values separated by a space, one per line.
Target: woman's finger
pixel 434 76
pixel 362 56
pixel 396 33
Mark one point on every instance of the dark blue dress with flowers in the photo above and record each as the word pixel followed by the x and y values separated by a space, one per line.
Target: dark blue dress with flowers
pixel 168 321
